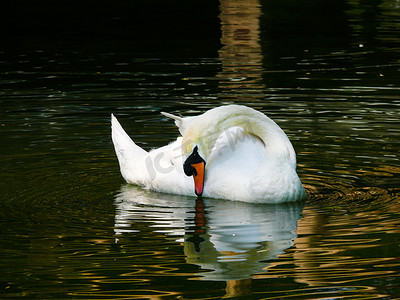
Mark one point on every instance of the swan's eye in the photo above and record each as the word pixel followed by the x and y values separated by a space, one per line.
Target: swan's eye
pixel 194 171
pixel 187 168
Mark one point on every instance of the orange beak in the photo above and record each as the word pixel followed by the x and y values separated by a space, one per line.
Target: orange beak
pixel 198 175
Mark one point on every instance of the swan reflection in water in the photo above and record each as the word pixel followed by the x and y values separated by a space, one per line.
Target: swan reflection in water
pixel 229 240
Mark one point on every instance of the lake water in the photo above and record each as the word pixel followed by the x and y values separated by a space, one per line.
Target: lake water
pixel 326 71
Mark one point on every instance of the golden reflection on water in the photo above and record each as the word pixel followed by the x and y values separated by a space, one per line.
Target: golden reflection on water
pixel 324 251
pixel 241 54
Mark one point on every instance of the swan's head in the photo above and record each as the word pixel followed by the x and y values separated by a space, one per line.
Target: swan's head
pixel 194 166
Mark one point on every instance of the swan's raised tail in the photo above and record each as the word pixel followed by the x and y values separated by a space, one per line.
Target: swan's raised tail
pixel 130 156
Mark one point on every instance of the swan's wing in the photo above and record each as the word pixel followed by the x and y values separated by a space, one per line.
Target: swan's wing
pixel 160 169
pixel 165 168
pixel 130 156
pixel 181 122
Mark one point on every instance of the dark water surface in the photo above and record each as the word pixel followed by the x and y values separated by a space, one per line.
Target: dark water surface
pixel 326 71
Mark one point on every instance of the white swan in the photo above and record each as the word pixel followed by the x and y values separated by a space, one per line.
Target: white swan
pixel 232 152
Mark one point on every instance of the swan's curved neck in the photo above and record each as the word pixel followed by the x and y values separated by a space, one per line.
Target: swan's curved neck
pixel 205 131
